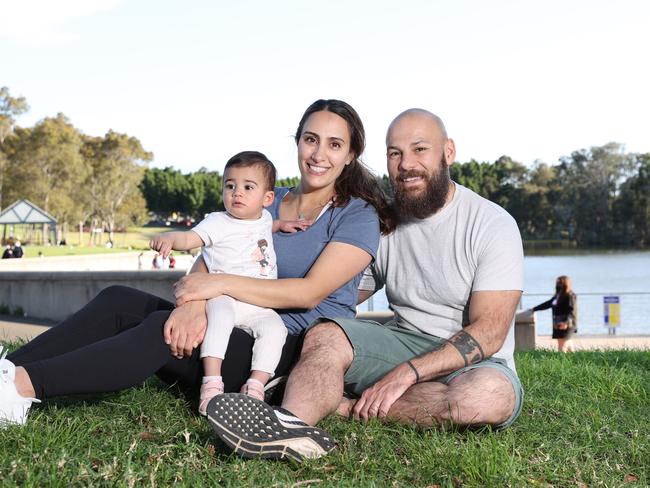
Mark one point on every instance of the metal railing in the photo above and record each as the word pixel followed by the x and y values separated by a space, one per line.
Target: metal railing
pixel 635 310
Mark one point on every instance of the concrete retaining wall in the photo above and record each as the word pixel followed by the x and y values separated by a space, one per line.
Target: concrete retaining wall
pixel 57 295
pixel 525 330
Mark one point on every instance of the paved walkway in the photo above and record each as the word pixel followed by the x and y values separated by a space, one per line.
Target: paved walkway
pixel 12 329
pixel 593 342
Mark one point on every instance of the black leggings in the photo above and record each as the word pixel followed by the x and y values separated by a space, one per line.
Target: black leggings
pixel 116 341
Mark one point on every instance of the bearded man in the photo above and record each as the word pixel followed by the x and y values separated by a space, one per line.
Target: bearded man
pixel 453 272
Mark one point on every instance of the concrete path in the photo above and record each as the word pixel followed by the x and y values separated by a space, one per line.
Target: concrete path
pixel 12 329
pixel 594 342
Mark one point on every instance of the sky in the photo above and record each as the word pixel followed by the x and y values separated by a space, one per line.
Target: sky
pixel 201 80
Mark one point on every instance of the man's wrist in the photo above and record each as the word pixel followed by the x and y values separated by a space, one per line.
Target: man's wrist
pixel 414 371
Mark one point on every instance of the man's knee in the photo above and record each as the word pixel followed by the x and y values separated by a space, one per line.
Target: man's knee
pixel 329 338
pixel 482 396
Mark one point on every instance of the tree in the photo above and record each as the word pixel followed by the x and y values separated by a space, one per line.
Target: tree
pixel 632 208
pixel 45 165
pixel 10 108
pixel 537 207
pixel 205 192
pixel 116 172
pixel 165 190
pixel 591 180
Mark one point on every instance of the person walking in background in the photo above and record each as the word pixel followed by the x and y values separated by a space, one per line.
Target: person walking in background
pixel 565 313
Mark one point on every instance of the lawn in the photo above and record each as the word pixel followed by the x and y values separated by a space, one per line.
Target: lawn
pixel 135 238
pixel 585 422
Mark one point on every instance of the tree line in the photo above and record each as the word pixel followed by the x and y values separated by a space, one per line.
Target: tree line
pixel 194 194
pixel 594 197
pixel 79 179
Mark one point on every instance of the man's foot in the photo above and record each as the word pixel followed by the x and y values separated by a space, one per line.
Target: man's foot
pixel 208 391
pixel 253 429
pixel 253 388
pixel 274 390
pixel 14 407
pixel 345 407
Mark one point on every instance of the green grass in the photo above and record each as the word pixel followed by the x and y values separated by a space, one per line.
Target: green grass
pixel 134 239
pixel 585 422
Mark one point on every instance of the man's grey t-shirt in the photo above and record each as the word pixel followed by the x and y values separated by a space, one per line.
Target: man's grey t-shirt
pixel 430 267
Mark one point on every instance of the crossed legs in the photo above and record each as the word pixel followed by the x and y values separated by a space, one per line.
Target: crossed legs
pixel 315 388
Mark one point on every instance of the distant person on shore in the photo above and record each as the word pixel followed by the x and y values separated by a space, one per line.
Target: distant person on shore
pixel 231 244
pixel 160 262
pixel 8 253
pixel 565 313
pixel 18 250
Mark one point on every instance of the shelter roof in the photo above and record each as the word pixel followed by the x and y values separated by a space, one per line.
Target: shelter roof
pixel 25 212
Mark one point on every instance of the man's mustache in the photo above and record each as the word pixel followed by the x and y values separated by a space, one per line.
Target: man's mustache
pixel 404 175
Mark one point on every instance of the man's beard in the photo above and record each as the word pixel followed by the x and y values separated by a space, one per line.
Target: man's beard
pixel 426 202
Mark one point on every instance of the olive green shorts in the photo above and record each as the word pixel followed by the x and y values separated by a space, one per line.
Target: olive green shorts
pixel 380 348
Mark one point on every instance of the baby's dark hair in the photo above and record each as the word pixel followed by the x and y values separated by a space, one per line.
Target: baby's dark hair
pixel 245 159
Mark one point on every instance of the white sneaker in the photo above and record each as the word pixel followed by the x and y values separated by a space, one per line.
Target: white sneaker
pixel 13 406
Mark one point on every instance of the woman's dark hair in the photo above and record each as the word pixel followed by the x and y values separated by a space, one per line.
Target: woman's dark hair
pixel 564 284
pixel 356 179
pixel 245 159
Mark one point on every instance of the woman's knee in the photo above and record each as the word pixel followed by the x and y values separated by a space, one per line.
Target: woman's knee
pixel 123 299
pixel 154 323
pixel 115 293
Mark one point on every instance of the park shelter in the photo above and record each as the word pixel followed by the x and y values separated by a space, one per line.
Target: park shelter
pixel 23 212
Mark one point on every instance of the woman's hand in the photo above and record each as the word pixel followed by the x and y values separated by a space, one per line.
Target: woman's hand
pixel 561 326
pixel 199 286
pixel 185 328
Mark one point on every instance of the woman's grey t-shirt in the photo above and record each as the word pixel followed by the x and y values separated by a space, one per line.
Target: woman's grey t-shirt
pixel 356 224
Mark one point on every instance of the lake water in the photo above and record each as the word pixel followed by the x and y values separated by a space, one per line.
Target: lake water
pixel 594 275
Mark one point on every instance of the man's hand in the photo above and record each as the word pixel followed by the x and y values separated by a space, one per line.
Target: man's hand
pixel 198 286
pixel 377 400
pixel 185 328
pixel 291 226
pixel 163 244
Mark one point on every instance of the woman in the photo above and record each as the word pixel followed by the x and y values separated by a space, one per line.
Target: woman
pixel 565 313
pixel 123 336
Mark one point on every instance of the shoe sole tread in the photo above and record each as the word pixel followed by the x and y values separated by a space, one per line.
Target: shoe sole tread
pixel 253 430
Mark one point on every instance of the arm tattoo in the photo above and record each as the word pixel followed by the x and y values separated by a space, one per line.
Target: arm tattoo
pixel 468 347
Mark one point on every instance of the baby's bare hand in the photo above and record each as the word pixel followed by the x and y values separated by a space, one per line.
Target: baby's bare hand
pixel 161 244
pixel 292 226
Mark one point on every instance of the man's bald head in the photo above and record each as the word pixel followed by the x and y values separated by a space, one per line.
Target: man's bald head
pixel 419 154
pixel 425 116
